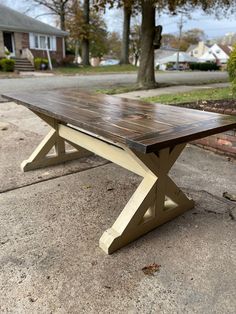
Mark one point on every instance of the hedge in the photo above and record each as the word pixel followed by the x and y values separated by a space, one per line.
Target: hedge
pixel 38 63
pixel 231 68
pixel 7 65
pixel 206 66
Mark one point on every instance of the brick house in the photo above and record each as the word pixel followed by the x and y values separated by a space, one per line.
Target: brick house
pixel 24 36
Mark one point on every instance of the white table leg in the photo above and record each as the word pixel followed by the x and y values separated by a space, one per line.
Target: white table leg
pixel 156 200
pixel 41 156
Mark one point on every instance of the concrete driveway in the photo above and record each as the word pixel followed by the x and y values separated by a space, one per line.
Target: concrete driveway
pixel 107 80
pixel 51 220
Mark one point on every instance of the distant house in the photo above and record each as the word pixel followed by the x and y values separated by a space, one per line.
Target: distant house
pixel 163 52
pixel 19 33
pixel 208 56
pixel 217 53
pixel 184 60
pixel 198 50
pixel 222 52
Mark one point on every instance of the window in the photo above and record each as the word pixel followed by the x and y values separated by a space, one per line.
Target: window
pixel 42 42
pixel 36 42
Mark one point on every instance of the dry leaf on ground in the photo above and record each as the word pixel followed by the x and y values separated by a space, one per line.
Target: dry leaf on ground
pixel 151 269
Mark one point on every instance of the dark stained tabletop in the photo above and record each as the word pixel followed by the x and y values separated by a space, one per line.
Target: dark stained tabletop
pixel 142 126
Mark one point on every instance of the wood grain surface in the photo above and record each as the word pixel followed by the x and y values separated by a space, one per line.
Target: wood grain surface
pixel 141 126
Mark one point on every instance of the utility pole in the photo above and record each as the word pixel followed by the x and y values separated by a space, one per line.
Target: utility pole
pixel 180 24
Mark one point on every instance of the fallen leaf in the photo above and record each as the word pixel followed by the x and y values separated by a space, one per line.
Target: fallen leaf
pixel 87 187
pixel 110 189
pixel 229 196
pixel 4 128
pixel 151 269
pixel 107 287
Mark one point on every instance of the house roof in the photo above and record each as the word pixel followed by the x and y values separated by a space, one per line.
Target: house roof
pixel 226 49
pixel 208 56
pixel 191 47
pixel 11 20
pixel 183 57
pixel 163 53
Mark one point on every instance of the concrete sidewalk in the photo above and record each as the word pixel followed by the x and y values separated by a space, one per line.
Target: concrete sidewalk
pixel 170 90
pixel 52 219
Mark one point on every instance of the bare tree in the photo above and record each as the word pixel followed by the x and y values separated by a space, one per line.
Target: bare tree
pixel 57 7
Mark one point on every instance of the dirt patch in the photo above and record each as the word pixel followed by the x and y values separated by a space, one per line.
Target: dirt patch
pixel 227 106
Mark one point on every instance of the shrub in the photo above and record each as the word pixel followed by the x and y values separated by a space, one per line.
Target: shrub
pixel 40 63
pixel 37 63
pixel 169 65
pixel 68 60
pixel 231 68
pixel 7 53
pixel 44 64
pixel 55 63
pixel 206 66
pixel 7 65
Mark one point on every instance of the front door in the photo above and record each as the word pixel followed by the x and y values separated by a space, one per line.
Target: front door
pixel 8 39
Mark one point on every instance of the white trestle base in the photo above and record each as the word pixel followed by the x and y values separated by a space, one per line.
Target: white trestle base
pixel 40 157
pixel 156 200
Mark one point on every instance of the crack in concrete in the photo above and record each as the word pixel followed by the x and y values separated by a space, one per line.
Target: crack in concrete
pixel 229 211
pixel 52 178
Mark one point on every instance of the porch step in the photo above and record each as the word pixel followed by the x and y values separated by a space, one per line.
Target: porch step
pixel 23 65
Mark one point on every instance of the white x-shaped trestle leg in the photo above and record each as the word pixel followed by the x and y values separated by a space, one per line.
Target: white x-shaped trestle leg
pixel 41 157
pixel 157 198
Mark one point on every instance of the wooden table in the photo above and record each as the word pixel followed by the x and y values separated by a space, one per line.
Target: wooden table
pixel 141 137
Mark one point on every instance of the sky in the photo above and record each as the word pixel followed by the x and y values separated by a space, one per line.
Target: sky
pixel 212 27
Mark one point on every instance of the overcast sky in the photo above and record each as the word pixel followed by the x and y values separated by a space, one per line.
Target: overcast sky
pixel 212 27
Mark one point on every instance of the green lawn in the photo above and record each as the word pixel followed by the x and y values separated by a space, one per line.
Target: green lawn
pixel 198 95
pixel 118 89
pixel 99 69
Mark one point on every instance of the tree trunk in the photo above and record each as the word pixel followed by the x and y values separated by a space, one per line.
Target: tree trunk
pixel 146 72
pixel 63 22
pixel 62 19
pixel 125 37
pixel 85 41
pixel 136 57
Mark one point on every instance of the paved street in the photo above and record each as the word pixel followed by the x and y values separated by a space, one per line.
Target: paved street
pixel 106 80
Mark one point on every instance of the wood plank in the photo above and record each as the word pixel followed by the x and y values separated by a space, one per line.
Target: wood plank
pixel 141 126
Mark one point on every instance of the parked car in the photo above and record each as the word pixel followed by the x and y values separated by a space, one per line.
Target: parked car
pixel 109 62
